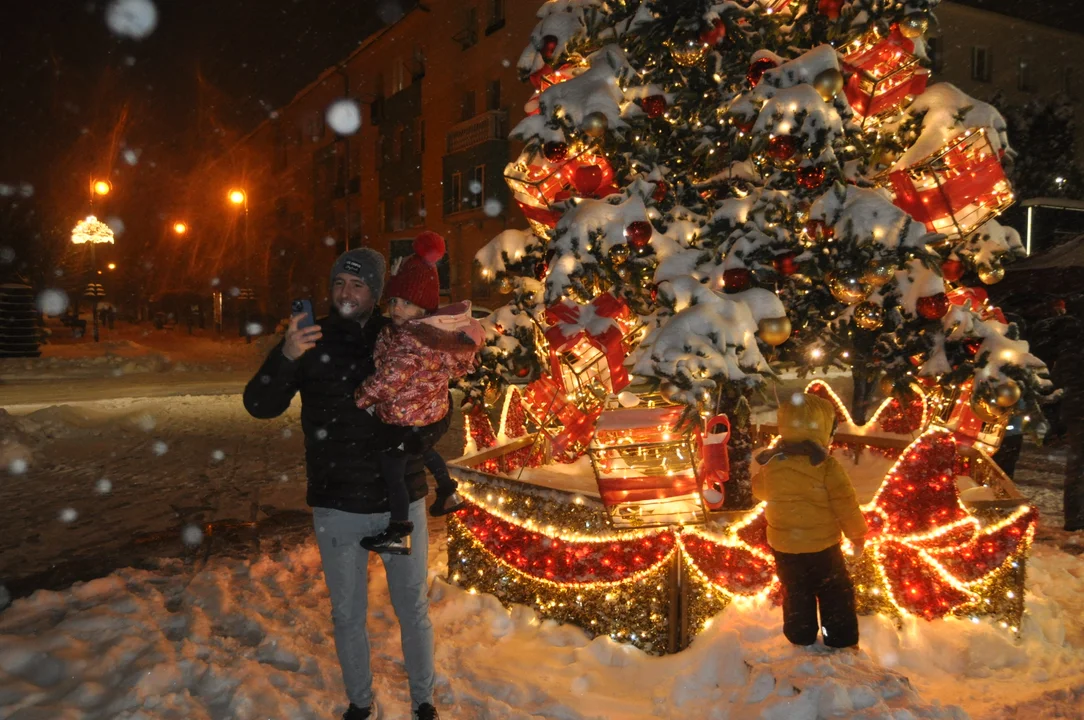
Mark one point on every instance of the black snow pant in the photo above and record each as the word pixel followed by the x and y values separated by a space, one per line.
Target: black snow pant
pixel 396 444
pixel 1074 475
pixel 809 579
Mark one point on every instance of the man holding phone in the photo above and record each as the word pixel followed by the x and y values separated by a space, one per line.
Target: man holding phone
pixel 325 362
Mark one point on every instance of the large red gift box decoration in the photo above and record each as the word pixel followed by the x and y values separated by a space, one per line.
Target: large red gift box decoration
pixel 567 427
pixel 956 189
pixel 588 345
pixel 882 73
pixel 977 300
pixel 954 408
pixel 539 184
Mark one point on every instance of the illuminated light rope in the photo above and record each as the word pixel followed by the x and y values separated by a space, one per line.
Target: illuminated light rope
pixel 465 533
pixel 881 409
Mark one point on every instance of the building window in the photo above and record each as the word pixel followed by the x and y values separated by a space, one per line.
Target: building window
pixel 455 193
pixel 419 210
pixel 419 136
pixel 397 143
pixel 493 95
pixel 468 106
pixel 935 50
pixel 398 214
pixel 468 36
pixel 382 215
pixel 496 16
pixel 980 64
pixel 1024 77
pixel 417 70
pixel 477 186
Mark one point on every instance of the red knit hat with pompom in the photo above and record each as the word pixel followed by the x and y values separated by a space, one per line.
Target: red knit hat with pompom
pixel 417 279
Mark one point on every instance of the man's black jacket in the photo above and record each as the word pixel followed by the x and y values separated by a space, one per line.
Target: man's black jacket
pixel 340 440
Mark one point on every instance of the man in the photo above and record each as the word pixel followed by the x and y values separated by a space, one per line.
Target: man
pixel 326 363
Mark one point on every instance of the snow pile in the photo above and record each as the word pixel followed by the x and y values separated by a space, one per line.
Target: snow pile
pixel 945 113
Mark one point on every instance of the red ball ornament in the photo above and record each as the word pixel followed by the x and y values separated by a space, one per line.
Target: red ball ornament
pixel 745 125
pixel 587 179
pixel 830 8
pixel 549 47
pixel 818 229
pixel 523 372
pixel 952 270
pixel 654 105
pixel 661 189
pixel 811 177
pixel 758 68
pixel 782 147
pixel 933 307
pixel 555 151
pixel 715 34
pixel 785 264
pixel 638 234
pixel 737 279
pixel 973 345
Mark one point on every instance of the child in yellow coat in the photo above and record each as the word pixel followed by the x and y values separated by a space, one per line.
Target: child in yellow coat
pixel 810 502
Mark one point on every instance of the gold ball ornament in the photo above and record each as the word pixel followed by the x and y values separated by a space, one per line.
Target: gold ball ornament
pixel 1007 393
pixel 992 275
pixel 595 124
pixel 869 315
pixel 878 272
pixel 887 385
pixel 774 331
pixel 619 254
pixel 914 24
pixel 847 289
pixel 687 52
pixel 828 83
pixel 504 285
pixel 986 408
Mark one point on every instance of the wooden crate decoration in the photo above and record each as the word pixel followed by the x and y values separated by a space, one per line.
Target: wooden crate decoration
pixel 956 189
pixel 588 345
pixel 567 427
pixel 882 73
pixel 649 470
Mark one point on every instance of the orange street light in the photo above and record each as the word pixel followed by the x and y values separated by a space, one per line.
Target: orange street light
pixel 101 187
pixel 112 266
pixel 180 228
pixel 237 197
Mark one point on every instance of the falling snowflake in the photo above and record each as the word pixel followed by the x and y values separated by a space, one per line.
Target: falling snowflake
pixel 132 18
pixel 68 515
pixel 215 282
pixel 146 422
pixel 52 302
pixel 160 448
pixel 475 186
pixel 506 62
pixel 7 255
pixel 235 291
pixel 103 486
pixel 218 456
pixel 287 432
pixel 17 466
pixel 344 116
pixel 115 224
pixel 254 329
pixel 325 358
pixel 131 156
pixel 6 190
pixel 192 535
pixel 389 12
pixel 493 207
pixel 329 241
pixel 284 478
pixel 321 434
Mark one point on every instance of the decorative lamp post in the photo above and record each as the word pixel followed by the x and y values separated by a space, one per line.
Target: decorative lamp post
pixel 239 199
pixel 180 228
pixel 93 231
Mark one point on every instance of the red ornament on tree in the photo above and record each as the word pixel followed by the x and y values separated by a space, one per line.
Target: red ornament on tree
pixel 549 47
pixel 952 270
pixel 638 234
pixel 555 151
pixel 660 191
pixel 830 8
pixel 785 264
pixel 715 34
pixel 782 147
pixel 745 125
pixel 587 179
pixel 654 105
pixel 933 307
pixel 758 68
pixel 973 345
pixel 818 230
pixel 737 279
pixel 810 177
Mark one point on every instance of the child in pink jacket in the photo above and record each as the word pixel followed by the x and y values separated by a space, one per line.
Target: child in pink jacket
pixel 416 357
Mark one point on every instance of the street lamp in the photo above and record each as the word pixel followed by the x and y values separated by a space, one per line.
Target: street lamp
pixel 180 228
pixel 239 198
pixel 92 231
pixel 100 187
pixel 112 266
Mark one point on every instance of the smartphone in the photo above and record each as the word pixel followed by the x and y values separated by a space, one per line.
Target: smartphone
pixel 303 306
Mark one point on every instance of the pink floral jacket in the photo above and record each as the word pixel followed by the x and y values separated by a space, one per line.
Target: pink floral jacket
pixel 415 362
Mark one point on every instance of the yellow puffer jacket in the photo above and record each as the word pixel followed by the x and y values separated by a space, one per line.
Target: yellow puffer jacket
pixel 808 505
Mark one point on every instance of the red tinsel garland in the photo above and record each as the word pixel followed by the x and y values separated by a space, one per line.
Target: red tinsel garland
pixel 734 568
pixel 481 432
pixel 920 495
pixel 915 585
pixel 988 551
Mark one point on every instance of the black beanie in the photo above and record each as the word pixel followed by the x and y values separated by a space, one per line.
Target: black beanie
pixel 364 263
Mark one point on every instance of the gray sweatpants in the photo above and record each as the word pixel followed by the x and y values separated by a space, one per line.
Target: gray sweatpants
pixel 345 564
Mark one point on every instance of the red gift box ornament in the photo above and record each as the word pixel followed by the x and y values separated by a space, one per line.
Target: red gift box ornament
pixel 538 186
pixel 715 463
pixel 883 72
pixel 978 301
pixel 956 189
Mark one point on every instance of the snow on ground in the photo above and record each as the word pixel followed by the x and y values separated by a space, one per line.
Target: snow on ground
pixel 238 625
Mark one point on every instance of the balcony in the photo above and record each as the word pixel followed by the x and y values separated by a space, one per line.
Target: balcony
pixel 479 129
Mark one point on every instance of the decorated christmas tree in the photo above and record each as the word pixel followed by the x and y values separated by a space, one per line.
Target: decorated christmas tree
pixel 726 195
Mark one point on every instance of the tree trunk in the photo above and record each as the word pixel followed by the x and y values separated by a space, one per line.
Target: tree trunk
pixel 863 377
pixel 734 401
